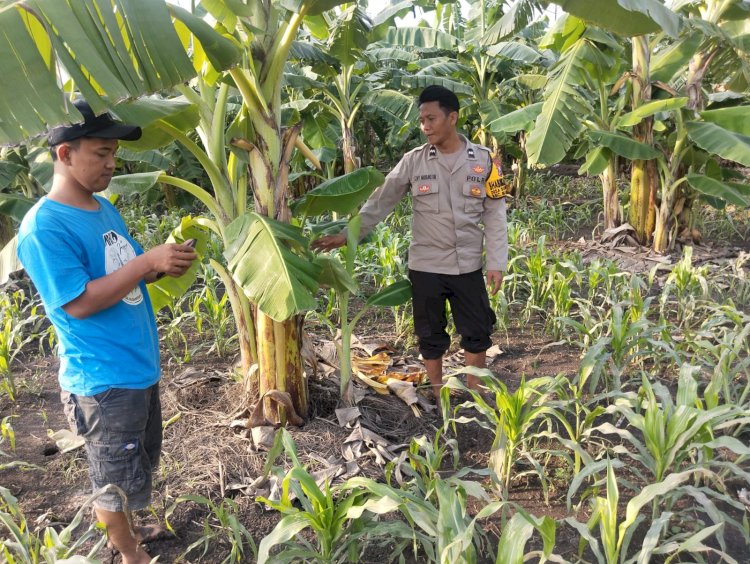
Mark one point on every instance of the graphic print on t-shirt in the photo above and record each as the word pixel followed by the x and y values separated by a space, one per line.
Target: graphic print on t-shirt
pixel 117 253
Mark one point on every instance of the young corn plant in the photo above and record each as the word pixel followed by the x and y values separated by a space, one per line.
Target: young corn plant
pixel 538 270
pixel 685 287
pixel 721 346
pixel 22 544
pixel 668 436
pixel 434 500
pixel 340 518
pixel 581 413
pixel 222 526
pixel 20 324
pixel 612 543
pixel 517 419
pixel 212 314
pixel 517 531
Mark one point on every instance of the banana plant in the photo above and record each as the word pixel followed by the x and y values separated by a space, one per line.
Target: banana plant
pixel 343 196
pixel 90 40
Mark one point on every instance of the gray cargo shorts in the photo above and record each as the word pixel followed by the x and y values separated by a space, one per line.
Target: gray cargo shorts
pixel 122 430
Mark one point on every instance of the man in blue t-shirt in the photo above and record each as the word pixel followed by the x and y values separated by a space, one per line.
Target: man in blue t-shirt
pixel 92 277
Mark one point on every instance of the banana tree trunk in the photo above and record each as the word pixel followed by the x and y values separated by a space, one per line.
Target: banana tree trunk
pixel 7 230
pixel 351 161
pixel 278 343
pixel 662 229
pixel 280 366
pixel 610 195
pixel 644 176
pixel 521 170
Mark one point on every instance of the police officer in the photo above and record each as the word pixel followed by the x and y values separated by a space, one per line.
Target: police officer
pixel 454 217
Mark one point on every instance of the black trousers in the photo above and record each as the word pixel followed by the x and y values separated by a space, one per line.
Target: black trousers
pixel 470 306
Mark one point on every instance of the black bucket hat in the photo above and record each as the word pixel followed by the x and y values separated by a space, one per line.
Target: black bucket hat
pixel 102 127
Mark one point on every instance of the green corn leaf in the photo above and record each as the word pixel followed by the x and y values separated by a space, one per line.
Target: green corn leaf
pixel 284 531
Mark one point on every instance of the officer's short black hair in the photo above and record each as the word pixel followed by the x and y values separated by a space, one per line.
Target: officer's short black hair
pixel 440 94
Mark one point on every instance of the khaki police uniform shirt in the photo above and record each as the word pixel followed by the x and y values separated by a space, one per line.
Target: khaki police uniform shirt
pixel 449 204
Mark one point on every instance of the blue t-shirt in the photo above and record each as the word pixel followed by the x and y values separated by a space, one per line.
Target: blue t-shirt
pixel 63 248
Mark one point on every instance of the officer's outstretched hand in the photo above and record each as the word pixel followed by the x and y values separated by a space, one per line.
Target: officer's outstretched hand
pixel 494 281
pixel 329 242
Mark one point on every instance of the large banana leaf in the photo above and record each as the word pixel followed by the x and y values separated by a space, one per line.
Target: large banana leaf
pixel 623 145
pixel 309 52
pixel 515 18
pixel 405 81
pixel 9 171
pixel 719 141
pixel 392 106
pixel 350 36
pixel 735 119
pixel 717 189
pixel 166 290
pixel 310 7
pixel 596 161
pixel 390 54
pixel 146 112
pixel 517 120
pixel 649 109
pixel 260 257
pixel 559 122
pixel 674 58
pixel 15 205
pixel 117 48
pixel 333 274
pixel 420 38
pixel 626 17
pixel 342 195
pixel 515 51
pixel 138 183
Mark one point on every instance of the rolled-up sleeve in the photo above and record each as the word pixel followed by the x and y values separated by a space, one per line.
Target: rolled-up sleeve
pixel 495 234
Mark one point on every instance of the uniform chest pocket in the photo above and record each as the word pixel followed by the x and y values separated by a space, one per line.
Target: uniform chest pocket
pixel 425 196
pixel 473 197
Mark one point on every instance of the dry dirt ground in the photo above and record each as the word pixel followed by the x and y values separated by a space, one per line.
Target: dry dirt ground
pixel 202 455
